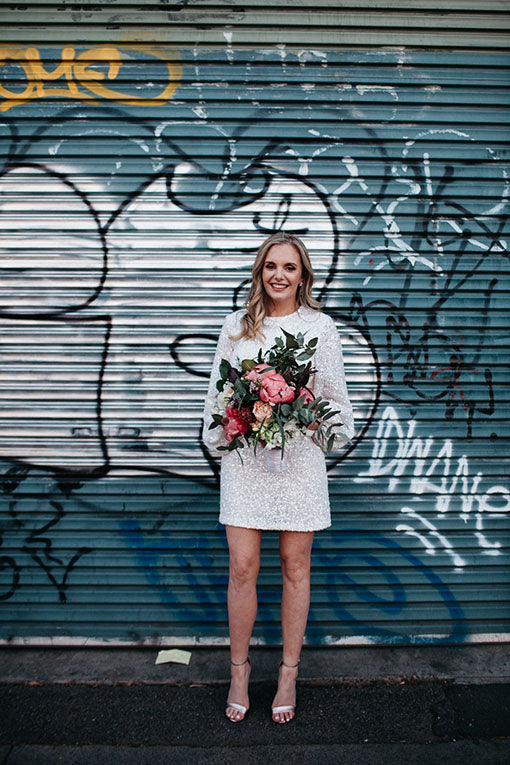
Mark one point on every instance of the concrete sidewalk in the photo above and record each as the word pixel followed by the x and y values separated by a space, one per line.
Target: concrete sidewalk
pixel 419 704
pixel 466 664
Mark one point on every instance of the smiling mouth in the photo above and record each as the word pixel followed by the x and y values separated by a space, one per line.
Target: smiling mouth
pixel 278 286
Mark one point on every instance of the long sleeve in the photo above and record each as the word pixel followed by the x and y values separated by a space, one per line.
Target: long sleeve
pixel 330 382
pixel 214 438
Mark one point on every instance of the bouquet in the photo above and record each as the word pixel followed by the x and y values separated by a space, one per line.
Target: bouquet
pixel 266 402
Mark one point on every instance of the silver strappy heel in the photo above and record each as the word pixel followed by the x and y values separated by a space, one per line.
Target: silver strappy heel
pixel 286 707
pixel 233 704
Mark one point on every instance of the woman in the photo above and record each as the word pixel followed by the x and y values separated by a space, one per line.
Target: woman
pixel 295 501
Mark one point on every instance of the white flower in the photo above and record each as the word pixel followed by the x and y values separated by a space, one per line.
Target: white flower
pixel 277 439
pixel 223 397
pixel 293 431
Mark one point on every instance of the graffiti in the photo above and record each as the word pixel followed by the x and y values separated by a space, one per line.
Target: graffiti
pixel 120 261
pixel 154 555
pixel 82 74
pixel 33 514
pixel 386 592
pixel 440 484
pixel 354 595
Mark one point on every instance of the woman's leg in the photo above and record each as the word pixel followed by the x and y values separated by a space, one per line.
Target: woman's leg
pixel 244 552
pixel 295 552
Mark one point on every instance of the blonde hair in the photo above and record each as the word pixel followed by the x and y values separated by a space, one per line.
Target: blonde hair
pixel 258 302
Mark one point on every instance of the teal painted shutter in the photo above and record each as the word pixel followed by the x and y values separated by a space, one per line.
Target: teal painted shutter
pixel 146 156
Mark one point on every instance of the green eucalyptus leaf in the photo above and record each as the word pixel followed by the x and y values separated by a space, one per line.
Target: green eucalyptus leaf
pixel 225 367
pixel 291 341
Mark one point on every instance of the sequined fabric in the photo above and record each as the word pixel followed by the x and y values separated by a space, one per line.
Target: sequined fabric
pixel 297 498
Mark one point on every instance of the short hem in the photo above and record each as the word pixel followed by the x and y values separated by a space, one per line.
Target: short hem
pixel 273 528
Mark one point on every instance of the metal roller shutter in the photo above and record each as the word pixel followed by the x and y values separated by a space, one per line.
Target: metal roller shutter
pixel 146 155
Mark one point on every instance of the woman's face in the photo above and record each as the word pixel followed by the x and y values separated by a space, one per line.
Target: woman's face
pixel 281 274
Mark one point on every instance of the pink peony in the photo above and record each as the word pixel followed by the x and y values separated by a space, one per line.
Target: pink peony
pixel 233 423
pixel 257 372
pixel 274 389
pixel 307 394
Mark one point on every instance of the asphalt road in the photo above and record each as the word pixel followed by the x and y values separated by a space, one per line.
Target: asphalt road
pixel 366 705
pixel 368 722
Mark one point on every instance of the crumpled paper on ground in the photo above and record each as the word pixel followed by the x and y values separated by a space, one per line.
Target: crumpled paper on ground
pixel 173 654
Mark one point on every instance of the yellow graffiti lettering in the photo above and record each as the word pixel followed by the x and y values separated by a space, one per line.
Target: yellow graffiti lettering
pixel 10 96
pixel 79 77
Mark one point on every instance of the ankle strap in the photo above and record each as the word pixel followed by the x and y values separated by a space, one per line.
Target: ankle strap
pixel 240 663
pixel 290 666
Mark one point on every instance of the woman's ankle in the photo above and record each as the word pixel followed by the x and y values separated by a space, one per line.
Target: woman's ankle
pixel 240 663
pixel 291 663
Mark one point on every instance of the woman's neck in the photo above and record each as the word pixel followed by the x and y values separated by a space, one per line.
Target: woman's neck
pixel 282 310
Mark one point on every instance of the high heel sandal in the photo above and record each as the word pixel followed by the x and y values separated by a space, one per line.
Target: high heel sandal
pixel 287 707
pixel 233 704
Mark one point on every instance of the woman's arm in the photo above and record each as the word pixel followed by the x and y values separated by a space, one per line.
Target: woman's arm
pixel 214 438
pixel 331 385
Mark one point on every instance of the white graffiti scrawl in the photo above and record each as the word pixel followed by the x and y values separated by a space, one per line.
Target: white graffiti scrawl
pixel 441 483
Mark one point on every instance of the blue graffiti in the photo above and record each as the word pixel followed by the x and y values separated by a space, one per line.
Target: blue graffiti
pixel 340 579
pixel 207 588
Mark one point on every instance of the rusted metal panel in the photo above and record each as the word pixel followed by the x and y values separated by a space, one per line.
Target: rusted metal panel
pixel 138 181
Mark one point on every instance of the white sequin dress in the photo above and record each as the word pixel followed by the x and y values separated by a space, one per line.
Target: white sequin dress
pixel 296 499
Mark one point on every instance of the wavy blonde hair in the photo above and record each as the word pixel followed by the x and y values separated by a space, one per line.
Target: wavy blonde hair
pixel 258 304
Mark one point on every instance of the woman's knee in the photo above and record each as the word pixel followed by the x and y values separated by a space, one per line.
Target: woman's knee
pixel 244 571
pixel 296 568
